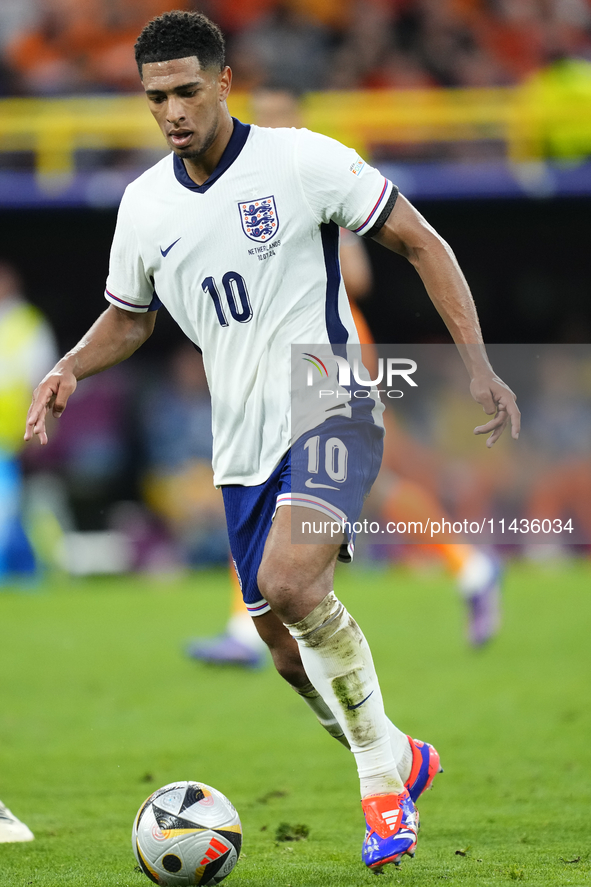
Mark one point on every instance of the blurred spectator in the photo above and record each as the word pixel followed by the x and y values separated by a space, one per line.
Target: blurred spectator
pixel 233 16
pixel 363 48
pixel 91 448
pixel 178 484
pixel 27 352
pixel 559 469
pixel 516 33
pixel 285 49
pixel 471 478
pixel 565 82
pixel 437 35
pixel 15 17
pixel 276 108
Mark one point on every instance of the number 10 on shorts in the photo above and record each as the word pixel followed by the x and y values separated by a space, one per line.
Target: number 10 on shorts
pixel 335 457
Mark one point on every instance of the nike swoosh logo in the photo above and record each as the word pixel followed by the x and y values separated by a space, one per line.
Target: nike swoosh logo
pixel 310 483
pixel 165 252
pixel 352 707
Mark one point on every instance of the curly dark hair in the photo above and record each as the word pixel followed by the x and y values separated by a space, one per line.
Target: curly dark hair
pixel 177 35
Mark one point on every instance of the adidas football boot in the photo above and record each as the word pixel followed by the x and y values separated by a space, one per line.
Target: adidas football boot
pixel 392 824
pixel 425 766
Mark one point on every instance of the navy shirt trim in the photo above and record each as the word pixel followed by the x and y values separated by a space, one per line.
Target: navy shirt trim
pixel 231 152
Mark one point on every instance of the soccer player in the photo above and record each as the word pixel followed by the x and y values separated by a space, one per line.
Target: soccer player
pixel 476 573
pixel 236 233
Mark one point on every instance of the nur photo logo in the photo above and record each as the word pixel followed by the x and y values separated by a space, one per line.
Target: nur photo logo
pixel 388 370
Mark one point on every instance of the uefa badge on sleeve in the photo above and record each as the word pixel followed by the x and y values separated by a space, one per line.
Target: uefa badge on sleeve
pixel 259 219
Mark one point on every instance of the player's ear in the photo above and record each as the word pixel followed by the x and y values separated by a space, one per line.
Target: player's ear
pixel 225 83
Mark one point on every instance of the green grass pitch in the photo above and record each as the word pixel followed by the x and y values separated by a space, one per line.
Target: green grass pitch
pixel 99 707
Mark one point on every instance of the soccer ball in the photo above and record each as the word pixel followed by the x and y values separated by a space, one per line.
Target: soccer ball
pixel 187 833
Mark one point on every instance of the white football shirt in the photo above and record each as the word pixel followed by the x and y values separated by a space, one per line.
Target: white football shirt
pixel 247 264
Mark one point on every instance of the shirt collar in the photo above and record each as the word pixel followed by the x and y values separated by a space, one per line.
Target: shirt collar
pixel 231 152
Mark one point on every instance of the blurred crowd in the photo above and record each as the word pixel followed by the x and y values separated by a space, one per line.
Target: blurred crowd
pixel 63 47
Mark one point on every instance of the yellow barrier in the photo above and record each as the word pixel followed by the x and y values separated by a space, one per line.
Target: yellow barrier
pixel 53 129
pixel 530 121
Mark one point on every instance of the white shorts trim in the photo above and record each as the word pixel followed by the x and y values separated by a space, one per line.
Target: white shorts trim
pixel 259 608
pixel 307 501
pixel 325 508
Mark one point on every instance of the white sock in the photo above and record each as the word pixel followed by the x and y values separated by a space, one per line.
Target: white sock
pixel 399 743
pixel 241 627
pixel 401 750
pixel 478 570
pixel 338 661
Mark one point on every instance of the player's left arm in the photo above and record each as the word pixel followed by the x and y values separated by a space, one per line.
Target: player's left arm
pixel 407 233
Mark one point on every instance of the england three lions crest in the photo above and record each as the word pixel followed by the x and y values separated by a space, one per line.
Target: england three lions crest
pixel 259 219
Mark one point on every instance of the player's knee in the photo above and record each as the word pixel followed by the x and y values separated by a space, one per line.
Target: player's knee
pixel 278 585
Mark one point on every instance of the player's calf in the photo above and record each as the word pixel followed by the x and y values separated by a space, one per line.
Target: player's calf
pixel 284 650
pixel 294 578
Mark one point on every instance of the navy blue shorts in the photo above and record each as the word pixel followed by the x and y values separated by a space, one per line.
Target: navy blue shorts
pixel 330 469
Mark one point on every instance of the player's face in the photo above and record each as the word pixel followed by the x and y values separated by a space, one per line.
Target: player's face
pixel 188 103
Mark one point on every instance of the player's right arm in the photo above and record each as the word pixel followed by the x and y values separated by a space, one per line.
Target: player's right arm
pixel 112 338
pixel 407 233
pixel 340 187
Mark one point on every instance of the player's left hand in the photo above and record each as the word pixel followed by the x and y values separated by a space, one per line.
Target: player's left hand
pixel 497 398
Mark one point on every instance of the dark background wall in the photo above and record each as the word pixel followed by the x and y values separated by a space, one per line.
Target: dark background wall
pixel 528 263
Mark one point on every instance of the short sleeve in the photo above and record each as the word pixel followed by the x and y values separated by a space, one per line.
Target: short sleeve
pixel 128 285
pixel 340 187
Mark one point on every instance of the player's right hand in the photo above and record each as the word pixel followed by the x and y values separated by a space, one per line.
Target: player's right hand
pixel 496 398
pixel 52 393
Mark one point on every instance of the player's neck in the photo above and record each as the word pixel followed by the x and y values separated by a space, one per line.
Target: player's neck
pixel 199 169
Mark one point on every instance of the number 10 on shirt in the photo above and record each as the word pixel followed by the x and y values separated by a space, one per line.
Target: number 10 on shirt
pixel 236 296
